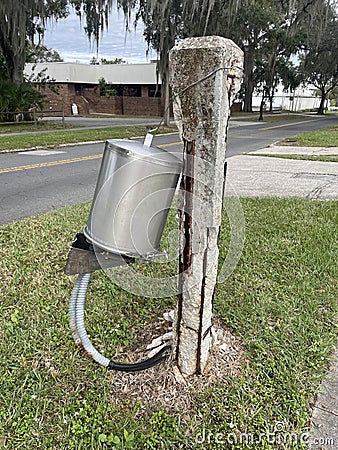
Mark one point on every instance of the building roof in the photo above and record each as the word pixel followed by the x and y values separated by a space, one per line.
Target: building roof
pixel 64 72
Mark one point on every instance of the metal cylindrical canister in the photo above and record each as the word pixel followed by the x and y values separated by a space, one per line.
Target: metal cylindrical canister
pixel 133 194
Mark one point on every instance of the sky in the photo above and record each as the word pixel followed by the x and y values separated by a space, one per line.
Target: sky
pixel 69 39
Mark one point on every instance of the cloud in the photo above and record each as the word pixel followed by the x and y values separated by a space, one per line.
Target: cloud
pixel 68 37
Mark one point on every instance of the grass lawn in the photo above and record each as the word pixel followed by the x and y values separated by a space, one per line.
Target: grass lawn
pixel 280 302
pixel 267 117
pixel 325 137
pixel 19 127
pixel 74 136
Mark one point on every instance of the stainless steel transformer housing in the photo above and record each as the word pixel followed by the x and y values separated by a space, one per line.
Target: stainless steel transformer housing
pixel 133 194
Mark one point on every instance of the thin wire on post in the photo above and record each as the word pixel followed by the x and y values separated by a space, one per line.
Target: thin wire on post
pixel 195 83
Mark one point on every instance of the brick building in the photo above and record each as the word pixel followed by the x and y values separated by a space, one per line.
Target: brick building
pixel 124 89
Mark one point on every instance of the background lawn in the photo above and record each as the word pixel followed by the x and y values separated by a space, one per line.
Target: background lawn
pixel 325 137
pixel 280 302
pixel 55 138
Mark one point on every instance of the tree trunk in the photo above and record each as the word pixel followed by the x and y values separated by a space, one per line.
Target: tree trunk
pixel 166 117
pixel 12 39
pixel 16 71
pixel 322 103
pixel 15 65
pixel 248 82
pixel 203 90
pixel 261 108
pixel 248 93
pixel 271 103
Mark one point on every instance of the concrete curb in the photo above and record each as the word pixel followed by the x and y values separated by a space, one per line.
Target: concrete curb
pixel 324 429
pixel 275 149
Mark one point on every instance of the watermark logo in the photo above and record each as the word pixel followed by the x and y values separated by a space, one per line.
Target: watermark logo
pixel 277 436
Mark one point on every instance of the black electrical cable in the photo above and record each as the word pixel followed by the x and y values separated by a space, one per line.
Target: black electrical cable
pixel 142 365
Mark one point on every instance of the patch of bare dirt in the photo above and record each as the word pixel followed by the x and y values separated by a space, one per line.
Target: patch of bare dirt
pixel 163 386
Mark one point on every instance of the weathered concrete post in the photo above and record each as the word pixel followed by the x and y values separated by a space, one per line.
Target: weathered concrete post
pixel 205 76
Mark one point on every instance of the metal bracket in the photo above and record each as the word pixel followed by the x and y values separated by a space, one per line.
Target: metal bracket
pixel 83 259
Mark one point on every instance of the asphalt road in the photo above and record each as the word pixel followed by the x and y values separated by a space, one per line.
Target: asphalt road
pixel 38 181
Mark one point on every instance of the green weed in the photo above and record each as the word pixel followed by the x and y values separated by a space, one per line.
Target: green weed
pixel 280 301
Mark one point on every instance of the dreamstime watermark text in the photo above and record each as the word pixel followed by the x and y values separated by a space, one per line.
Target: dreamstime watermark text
pixel 277 436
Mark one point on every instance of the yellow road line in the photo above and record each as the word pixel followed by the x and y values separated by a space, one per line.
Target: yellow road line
pixel 288 124
pixel 50 164
pixel 64 161
pixel 170 144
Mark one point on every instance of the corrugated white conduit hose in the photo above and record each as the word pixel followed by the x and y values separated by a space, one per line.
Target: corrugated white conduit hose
pixel 72 311
pixel 77 326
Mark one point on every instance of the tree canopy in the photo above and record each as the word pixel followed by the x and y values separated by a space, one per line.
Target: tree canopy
pixel 20 20
pixel 26 19
pixel 319 61
pixel 38 53
pixel 268 31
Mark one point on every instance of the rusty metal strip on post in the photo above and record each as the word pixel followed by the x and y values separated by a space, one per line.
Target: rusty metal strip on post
pixel 187 185
pixel 200 329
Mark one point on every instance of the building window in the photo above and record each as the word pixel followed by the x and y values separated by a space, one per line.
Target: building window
pixel 78 89
pixel 154 90
pixel 132 91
